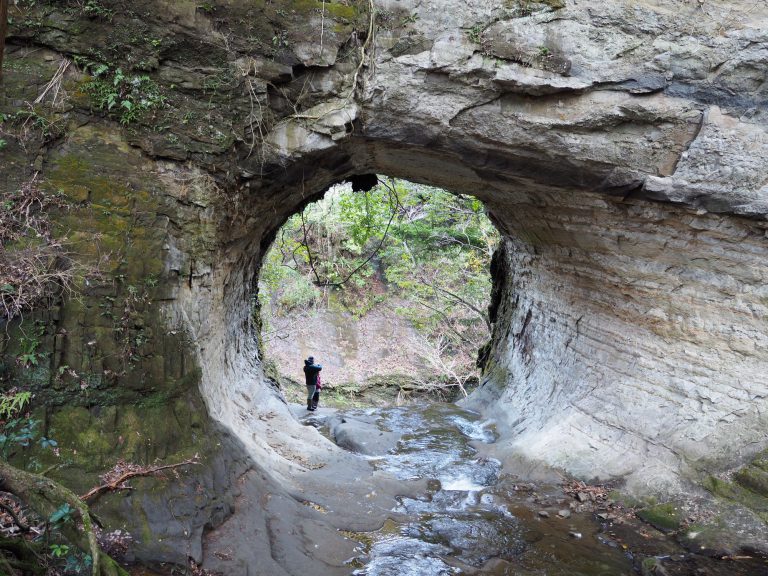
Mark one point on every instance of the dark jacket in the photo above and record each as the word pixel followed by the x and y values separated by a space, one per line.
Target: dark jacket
pixel 310 372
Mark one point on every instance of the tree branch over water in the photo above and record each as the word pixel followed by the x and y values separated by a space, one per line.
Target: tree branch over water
pixel 460 300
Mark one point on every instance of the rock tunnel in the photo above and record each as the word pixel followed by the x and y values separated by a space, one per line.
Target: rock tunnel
pixel 621 153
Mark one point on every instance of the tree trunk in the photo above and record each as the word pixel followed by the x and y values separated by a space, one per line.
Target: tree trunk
pixel 3 31
pixel 45 496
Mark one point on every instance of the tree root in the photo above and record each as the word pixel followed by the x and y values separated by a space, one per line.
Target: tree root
pixel 45 496
pixel 25 557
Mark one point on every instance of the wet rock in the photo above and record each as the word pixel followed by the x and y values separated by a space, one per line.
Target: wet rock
pixel 564 513
pixel 543 513
pixel 474 538
pixel 359 432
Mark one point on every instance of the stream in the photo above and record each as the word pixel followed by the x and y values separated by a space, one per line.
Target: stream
pixel 474 519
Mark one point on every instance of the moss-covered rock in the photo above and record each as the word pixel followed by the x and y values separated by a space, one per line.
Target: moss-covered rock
pixel 748 486
pixel 753 478
pixel 666 516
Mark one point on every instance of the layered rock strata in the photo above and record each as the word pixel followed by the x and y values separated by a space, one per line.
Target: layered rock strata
pixel 620 147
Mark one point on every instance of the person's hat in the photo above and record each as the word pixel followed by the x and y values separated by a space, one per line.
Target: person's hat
pixel 311 359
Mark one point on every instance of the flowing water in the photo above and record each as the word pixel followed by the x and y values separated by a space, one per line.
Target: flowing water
pixel 475 520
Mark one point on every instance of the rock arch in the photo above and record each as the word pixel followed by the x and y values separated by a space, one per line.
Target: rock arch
pixel 630 338
pixel 620 147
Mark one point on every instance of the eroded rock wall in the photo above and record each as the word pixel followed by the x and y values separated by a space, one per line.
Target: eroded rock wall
pixel 620 147
pixel 632 334
pixel 632 342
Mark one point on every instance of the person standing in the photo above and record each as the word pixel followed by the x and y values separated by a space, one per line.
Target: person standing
pixel 316 396
pixel 311 374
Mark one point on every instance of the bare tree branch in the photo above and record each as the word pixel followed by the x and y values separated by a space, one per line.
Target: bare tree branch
pixel 460 300
pixel 448 321
pixel 309 250
pixel 327 283
pixel 118 482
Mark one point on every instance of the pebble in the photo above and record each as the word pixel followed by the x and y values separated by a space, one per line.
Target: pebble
pixel 564 513
pixel 575 534
pixel 543 513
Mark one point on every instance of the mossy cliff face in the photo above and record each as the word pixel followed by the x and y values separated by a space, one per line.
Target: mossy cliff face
pixel 114 379
pixel 621 150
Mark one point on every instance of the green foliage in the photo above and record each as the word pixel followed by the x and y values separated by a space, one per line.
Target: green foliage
pixel 410 19
pixel 94 8
pixel 280 40
pixel 59 550
pixel 29 344
pixel 68 558
pixel 123 96
pixel 78 563
pixel 17 430
pixel 33 121
pixel 48 443
pixel 426 238
pixel 62 514
pixel 475 34
pixel 420 251
pixel 15 433
pixel 12 403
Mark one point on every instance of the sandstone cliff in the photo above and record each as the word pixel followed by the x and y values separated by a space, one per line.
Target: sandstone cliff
pixel 619 146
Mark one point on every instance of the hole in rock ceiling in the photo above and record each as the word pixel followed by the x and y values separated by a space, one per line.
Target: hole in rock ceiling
pixel 387 288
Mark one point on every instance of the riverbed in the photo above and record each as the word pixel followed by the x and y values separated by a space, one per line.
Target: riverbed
pixel 476 519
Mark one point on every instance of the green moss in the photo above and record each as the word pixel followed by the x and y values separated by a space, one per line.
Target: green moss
pixel 721 488
pixel 92 440
pixel 737 492
pixel 753 478
pixel 626 500
pixel 663 516
pixel 761 461
pixel 161 397
pixel 334 9
pixel 113 339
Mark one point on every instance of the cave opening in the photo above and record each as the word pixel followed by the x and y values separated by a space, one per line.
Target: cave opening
pixel 596 340
pixel 387 283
